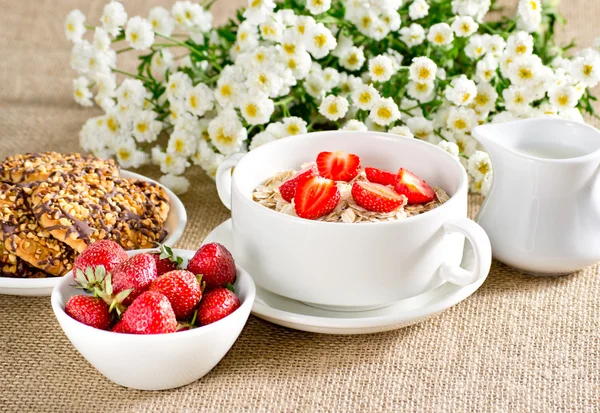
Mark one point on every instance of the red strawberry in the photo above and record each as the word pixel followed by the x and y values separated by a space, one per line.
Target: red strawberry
pixel 316 197
pixel 137 273
pixel 376 197
pixel 416 190
pixel 217 304
pixel 150 313
pixel 288 188
pixel 164 265
pixel 215 263
pixel 182 289
pixel 104 252
pixel 379 176
pixel 339 166
pixel 119 327
pixel 91 311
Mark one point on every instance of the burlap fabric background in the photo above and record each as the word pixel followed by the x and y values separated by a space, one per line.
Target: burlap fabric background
pixel 519 344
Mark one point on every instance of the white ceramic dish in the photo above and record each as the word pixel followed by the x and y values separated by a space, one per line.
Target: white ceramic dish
pixel 294 314
pixel 161 361
pixel 175 225
pixel 352 266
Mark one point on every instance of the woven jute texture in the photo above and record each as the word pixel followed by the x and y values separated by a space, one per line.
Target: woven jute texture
pixel 519 344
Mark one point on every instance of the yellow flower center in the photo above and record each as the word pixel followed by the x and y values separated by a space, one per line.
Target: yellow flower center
pixel 424 73
pixel 466 28
pixel 483 168
pixel 366 22
pixel 588 69
pixel 79 93
pixel 124 154
pixel 134 37
pixel 379 70
pixel 70 27
pixel 352 59
pixel 251 110
pixel 188 15
pixel 488 74
pixel 519 99
pixel 479 50
pixel 194 101
pixel 563 100
pixel 320 40
pixel 466 97
pixel 520 49
pixel 293 129
pixel 168 160
pixel 422 134
pixel 481 99
pixel 255 3
pixel 142 127
pixel 460 124
pixel 384 113
pixel 365 97
pixel 179 145
pixel 525 73
pixel 422 87
pixel 260 57
pixel 461 145
pixel 292 64
pixel 173 114
pixel 268 31
pixel 439 38
pixel 289 48
pixel 243 36
pixel 318 3
pixel 112 124
pixel 332 109
pixel 533 5
pixel 226 90
pixel 262 78
pixel 301 28
pixel 223 138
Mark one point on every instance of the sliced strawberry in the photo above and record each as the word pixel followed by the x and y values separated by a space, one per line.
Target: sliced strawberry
pixel 416 190
pixel 379 176
pixel 288 188
pixel 339 166
pixel 376 197
pixel 316 197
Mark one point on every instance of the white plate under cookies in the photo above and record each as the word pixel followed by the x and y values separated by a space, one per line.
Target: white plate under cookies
pixel 175 225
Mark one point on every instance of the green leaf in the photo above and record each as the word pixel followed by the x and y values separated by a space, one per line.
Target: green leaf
pixel 108 287
pixel 80 278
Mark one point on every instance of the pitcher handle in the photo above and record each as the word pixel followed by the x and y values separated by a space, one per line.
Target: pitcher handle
pixel 482 251
pixel 223 178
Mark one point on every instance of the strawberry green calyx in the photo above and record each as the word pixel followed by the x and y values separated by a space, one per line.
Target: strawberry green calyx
pixel 167 252
pixel 115 302
pixel 230 287
pixel 92 280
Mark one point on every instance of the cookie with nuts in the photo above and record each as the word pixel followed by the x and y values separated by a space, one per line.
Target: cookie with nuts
pixel 39 166
pixel 156 194
pixel 24 237
pixel 13 267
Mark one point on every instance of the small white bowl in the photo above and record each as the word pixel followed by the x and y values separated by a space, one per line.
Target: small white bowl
pixel 160 361
pixel 175 225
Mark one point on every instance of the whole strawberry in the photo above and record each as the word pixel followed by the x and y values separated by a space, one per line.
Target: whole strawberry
pixel 217 304
pixel 137 273
pixel 150 313
pixel 216 265
pixel 105 252
pixel 182 289
pixel 91 311
pixel 118 328
pixel 165 260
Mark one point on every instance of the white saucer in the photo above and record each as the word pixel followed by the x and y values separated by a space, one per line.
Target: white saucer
pixel 175 225
pixel 294 314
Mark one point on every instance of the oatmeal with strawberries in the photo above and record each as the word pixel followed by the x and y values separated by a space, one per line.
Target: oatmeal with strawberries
pixel 336 188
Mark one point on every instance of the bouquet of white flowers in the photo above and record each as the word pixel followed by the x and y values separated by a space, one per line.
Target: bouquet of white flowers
pixel 429 69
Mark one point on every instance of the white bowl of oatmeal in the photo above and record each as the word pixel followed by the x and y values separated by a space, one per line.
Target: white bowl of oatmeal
pixel 358 259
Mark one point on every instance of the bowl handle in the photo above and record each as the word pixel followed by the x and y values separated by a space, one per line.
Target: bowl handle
pixel 481 250
pixel 223 178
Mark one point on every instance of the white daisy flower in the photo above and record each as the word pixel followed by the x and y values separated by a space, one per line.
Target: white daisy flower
pixel 161 21
pixel 422 70
pixel 420 127
pixel 365 21
pixel 423 92
pixel 411 107
pixel 145 126
pixel 106 85
pixel 331 77
pixel 381 68
pixel 586 69
pixel 81 91
pixel 517 99
pixel 401 131
pixel 480 165
pixel 264 80
pixel 494 45
pixel 486 69
pixel 564 97
pixel 139 33
pixel 178 184
pixel 113 17
pixel 131 92
pixel 503 117
pixel 261 139
pixel 355 125
pixel 276 129
pixel 320 41
pixel 170 163
pixel 318 6
pixel 227 133
pixel 353 59
pixel 465 142
pixel 294 126
pixel 272 29
pixel 191 16
pixel 162 61
pixel 182 144
pixel 258 10
pixel 530 15
pixel 178 85
pixel 286 17
pixel 256 108
pixel 101 40
pixel 464 26
pixel 391 18
pixel 199 100
pixel 519 44
pixel 299 64
pixel 364 97
pixel 462 91
pixel 524 71
pixel 247 36
pixel 482 185
pixel 315 85
pixel 476 47
pixel 450 147
pixel 75 26
pixel 486 98
pixel 348 83
pixel 461 119
pixel 304 25
pixel 128 156
pixel 333 107
pixel 384 111
pixel 228 92
pixel 440 34
pixel 292 44
pixel 418 9
pixel 412 35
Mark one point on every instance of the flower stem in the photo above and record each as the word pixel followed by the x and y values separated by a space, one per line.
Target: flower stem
pixel 123 72
pixel 124 50
pixel 311 124
pixel 284 101
pixel 187 46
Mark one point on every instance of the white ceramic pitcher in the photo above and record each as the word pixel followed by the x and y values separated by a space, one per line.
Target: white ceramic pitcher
pixel 543 211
